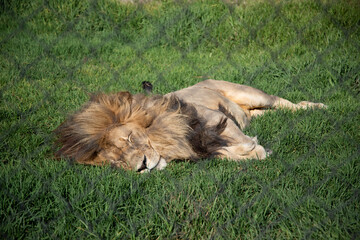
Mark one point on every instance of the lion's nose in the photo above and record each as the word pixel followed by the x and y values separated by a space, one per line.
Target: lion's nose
pixel 143 165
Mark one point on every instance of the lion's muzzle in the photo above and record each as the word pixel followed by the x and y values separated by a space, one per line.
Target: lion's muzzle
pixel 143 165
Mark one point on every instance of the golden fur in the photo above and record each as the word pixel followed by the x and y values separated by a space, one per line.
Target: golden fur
pixel 141 133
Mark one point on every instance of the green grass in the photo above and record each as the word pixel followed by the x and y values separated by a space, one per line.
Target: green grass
pixel 53 54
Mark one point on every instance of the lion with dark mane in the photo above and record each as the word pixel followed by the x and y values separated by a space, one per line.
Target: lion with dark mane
pixel 141 133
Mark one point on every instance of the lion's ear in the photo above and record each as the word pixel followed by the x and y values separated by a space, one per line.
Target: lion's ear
pixel 117 98
pixel 124 96
pixel 97 97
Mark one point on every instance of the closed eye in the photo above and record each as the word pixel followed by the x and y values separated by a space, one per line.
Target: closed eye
pixel 130 138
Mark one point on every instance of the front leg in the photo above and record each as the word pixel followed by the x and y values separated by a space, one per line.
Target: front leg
pixel 240 146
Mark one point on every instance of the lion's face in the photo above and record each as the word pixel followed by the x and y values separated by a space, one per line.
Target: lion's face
pixel 129 147
pixel 130 132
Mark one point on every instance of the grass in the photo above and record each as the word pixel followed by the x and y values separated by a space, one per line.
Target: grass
pixel 54 53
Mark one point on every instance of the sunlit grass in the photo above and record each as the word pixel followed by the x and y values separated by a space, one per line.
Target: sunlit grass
pixel 53 54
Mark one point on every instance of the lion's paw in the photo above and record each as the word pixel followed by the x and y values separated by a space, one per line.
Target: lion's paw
pixel 307 104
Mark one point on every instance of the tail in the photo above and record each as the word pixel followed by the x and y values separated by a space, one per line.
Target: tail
pixel 147 86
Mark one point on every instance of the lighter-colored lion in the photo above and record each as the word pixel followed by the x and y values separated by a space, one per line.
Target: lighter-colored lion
pixel 142 133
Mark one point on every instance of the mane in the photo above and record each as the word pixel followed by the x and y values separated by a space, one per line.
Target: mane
pixel 173 126
pixel 184 134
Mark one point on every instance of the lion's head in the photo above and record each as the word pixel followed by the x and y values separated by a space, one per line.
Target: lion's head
pixel 133 132
pixel 128 146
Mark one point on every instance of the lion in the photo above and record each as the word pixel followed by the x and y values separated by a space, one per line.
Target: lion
pixel 144 133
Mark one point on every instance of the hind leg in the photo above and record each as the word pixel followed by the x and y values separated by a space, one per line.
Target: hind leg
pixel 251 99
pixel 283 103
